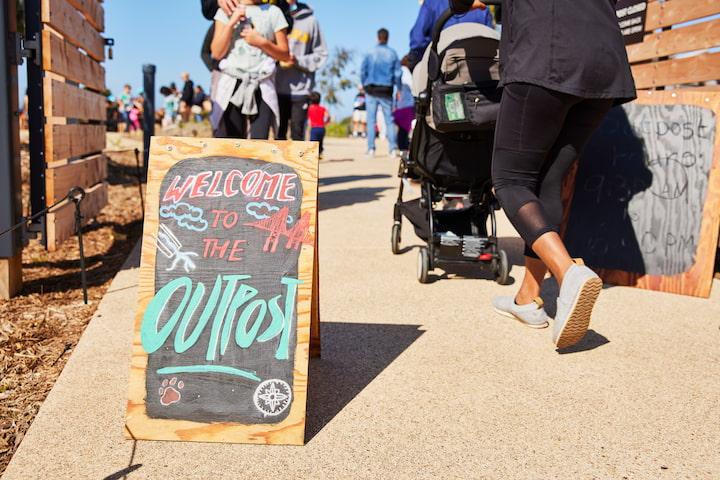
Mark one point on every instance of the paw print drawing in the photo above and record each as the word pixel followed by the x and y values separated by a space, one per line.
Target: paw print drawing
pixel 169 391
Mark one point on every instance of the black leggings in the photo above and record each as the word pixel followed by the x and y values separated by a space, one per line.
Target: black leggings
pixel 539 134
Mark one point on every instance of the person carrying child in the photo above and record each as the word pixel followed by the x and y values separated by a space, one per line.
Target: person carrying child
pixel 319 117
pixel 247 44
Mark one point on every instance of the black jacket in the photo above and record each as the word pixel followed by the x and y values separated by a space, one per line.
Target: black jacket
pixel 570 46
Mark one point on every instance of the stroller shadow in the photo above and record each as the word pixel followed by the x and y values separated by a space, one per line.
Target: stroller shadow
pixel 353 355
pixel 351 196
pixel 326 182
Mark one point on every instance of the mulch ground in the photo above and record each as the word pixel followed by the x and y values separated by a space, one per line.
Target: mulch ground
pixel 40 328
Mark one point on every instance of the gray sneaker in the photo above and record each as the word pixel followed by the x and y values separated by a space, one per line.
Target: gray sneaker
pixel 533 314
pixel 578 294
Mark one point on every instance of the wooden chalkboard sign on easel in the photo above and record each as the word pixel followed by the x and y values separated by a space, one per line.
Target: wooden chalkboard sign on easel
pixel 228 301
pixel 645 210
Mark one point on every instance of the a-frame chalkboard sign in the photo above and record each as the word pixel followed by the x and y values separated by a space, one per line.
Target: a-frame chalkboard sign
pixel 227 292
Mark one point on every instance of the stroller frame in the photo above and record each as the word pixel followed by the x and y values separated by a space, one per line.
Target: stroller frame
pixel 476 245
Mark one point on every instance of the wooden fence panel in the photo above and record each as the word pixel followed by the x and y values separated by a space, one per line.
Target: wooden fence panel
pixel 61 221
pixel 84 173
pixel 63 17
pixel 72 49
pixel 93 12
pixel 67 141
pixel 673 12
pixel 700 68
pixel 66 100
pixel 64 59
pixel 670 42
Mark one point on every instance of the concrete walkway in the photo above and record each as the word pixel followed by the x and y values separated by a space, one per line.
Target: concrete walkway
pixel 422 381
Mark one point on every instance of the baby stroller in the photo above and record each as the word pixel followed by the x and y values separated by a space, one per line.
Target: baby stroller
pixel 457 101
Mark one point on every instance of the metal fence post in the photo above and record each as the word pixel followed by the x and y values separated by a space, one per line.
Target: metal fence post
pixel 148 111
pixel 10 180
pixel 36 118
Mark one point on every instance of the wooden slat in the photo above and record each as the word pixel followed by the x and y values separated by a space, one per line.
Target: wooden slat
pixel 66 100
pixel 63 17
pixel 64 59
pixel 686 39
pixel 672 12
pixel 699 68
pixel 83 173
pixel 92 11
pixel 67 141
pixel 61 221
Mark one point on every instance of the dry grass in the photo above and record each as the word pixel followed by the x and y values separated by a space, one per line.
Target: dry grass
pixel 40 328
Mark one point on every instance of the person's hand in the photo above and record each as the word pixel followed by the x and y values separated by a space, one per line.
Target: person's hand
pixel 228 6
pixel 238 15
pixel 464 6
pixel 290 63
pixel 252 37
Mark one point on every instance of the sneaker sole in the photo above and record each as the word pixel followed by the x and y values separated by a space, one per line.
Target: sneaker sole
pixel 514 317
pixel 578 320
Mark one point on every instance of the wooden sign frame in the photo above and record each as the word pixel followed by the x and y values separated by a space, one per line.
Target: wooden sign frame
pixel 697 281
pixel 303 158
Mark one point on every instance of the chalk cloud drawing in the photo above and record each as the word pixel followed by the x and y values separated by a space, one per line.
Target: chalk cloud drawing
pixel 170 247
pixel 185 215
pixel 169 391
pixel 263 210
pixel 272 397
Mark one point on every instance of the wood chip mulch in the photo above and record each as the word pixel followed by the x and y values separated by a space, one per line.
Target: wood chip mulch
pixel 40 328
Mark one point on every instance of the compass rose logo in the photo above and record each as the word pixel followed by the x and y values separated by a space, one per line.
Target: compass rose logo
pixel 272 397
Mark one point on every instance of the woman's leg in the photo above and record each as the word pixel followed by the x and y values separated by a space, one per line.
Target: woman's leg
pixel 260 124
pixel 234 123
pixel 581 121
pixel 531 120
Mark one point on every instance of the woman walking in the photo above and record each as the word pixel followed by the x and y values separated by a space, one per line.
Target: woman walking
pixel 563 67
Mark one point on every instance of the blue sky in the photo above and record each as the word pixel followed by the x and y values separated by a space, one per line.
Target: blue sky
pixel 169 33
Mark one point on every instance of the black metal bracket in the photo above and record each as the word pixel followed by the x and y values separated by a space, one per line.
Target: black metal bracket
pixel 26 48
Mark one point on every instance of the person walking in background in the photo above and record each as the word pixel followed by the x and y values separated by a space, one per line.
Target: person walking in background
pixel 198 103
pixel 170 105
pixel 380 74
pixel 247 45
pixel 125 105
pixel 404 113
pixel 319 118
pixel 296 77
pixel 558 87
pixel 359 115
pixel 186 97
pixel 429 14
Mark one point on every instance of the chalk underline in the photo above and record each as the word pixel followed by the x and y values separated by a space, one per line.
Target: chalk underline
pixel 209 369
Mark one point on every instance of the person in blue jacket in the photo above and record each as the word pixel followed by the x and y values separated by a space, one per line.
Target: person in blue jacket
pixel 430 12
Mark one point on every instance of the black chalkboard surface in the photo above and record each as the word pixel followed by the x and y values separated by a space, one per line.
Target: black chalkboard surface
pixel 227 276
pixel 641 190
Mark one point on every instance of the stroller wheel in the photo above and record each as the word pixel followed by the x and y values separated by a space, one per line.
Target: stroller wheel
pixel 502 268
pixel 396 237
pixel 423 266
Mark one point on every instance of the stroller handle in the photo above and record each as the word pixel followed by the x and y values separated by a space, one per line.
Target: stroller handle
pixel 445 17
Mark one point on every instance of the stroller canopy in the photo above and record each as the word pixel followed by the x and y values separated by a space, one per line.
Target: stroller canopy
pixel 470 56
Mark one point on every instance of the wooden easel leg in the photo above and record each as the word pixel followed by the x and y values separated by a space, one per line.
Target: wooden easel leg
pixel 10 276
pixel 315 350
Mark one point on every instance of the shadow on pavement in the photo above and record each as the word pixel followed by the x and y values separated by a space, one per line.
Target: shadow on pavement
pixel 353 355
pixel 326 182
pixel 591 341
pixel 351 196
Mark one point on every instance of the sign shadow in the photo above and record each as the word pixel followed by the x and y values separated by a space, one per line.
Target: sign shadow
pixel 353 355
